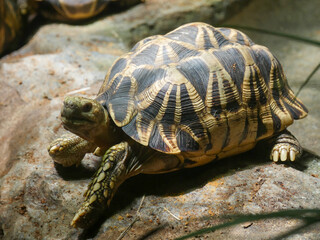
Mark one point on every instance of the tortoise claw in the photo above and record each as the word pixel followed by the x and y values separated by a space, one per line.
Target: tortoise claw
pixel 285 147
pixel 284 152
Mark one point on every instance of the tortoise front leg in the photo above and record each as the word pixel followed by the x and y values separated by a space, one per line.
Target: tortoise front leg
pixel 114 169
pixel 69 149
pixel 119 163
pixel 285 147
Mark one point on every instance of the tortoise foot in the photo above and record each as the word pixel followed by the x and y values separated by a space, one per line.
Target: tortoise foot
pixel 69 149
pixel 286 147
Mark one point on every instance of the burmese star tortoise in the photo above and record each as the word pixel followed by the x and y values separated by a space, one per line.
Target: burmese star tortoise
pixel 14 15
pixel 180 100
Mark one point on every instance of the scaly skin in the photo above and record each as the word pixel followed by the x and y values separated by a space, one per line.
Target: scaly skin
pixel 104 184
pixel 69 149
pixel 119 163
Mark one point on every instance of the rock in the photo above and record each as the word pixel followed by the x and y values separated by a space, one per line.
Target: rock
pixel 200 198
pixel 38 199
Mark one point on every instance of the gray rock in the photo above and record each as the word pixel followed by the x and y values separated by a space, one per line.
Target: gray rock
pixel 38 199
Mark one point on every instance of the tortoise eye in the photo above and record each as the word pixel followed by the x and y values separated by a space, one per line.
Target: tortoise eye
pixel 87 107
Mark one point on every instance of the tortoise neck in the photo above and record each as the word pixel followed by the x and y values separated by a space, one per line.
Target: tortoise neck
pixel 107 134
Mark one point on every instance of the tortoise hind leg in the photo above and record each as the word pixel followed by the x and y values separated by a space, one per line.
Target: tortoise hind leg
pixel 285 147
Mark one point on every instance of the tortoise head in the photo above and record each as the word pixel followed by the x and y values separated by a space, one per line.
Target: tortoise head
pixel 86 118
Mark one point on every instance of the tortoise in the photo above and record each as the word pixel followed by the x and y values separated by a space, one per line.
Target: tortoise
pixel 14 15
pixel 11 25
pixel 179 100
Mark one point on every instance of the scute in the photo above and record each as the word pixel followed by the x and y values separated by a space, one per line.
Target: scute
pixel 196 71
pixel 184 36
pixel 199 89
pixel 234 63
pixel 147 56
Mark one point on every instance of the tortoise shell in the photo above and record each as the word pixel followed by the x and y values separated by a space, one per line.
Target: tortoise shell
pixel 75 10
pixel 199 89
pixel 69 10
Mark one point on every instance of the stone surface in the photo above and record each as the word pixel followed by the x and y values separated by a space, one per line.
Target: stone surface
pixel 38 199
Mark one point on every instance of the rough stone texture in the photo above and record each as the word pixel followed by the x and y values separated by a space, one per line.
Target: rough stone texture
pixel 38 199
